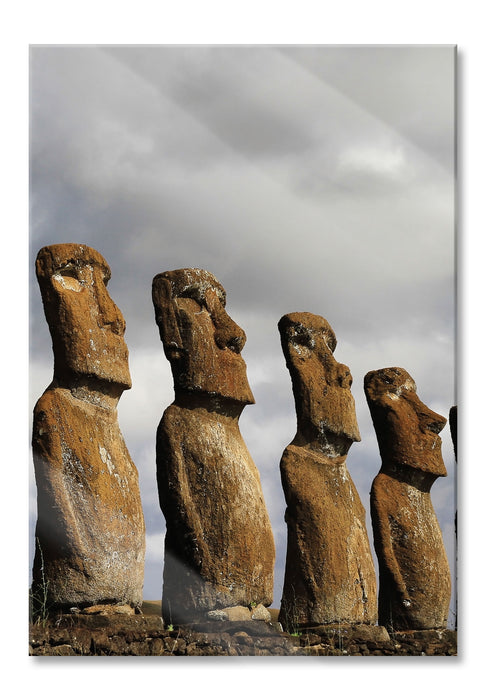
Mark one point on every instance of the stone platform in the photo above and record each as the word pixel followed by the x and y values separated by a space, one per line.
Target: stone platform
pixel 142 634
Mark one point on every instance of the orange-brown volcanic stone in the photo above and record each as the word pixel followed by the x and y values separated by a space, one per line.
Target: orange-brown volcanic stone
pixel 414 579
pixel 90 533
pixel 219 548
pixel 329 573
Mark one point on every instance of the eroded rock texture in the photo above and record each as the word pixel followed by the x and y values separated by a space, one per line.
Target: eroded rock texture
pixel 90 533
pixel 219 548
pixel 329 572
pixel 414 576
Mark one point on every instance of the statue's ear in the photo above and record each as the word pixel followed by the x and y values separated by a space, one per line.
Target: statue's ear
pixel 166 315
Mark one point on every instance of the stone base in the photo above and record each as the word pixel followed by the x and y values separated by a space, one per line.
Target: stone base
pixel 240 612
pixel 359 632
pixel 145 635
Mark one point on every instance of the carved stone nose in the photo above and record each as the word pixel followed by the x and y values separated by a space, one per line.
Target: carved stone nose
pixel 434 422
pixel 428 419
pixel 236 343
pixel 230 335
pixel 344 376
pixel 117 325
pixel 110 316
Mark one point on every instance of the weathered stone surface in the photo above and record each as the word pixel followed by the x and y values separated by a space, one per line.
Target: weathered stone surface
pixel 357 633
pixel 90 533
pixel 260 612
pixel 201 341
pixel 414 576
pixel 86 326
pixel 329 573
pixel 219 549
pixel 233 614
pixel 108 610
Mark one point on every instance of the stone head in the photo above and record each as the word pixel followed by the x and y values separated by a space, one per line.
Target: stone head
pixel 86 326
pixel 201 341
pixel 406 429
pixel 322 386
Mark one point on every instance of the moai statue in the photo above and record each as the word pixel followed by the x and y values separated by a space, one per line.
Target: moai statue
pixel 219 548
pixel 414 576
pixel 329 572
pixel 453 428
pixel 90 533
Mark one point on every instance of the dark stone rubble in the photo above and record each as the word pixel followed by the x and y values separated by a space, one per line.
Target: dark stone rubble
pixel 145 635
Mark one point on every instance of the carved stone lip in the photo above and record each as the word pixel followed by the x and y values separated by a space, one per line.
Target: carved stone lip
pixel 433 437
pixel 408 470
pixel 211 402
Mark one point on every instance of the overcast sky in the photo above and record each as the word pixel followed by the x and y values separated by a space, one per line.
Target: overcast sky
pixel 315 179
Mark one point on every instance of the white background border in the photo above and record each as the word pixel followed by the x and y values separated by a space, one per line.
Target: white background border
pixel 250 22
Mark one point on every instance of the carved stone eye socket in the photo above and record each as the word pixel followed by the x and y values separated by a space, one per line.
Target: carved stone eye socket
pixel 301 336
pixel 189 305
pixel 68 279
pixel 192 292
pixel 203 295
